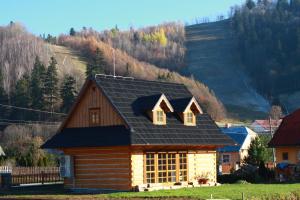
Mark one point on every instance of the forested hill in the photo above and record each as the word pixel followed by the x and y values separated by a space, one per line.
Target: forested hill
pixel 250 60
pixel 37 72
pixel 212 57
pixel 268 35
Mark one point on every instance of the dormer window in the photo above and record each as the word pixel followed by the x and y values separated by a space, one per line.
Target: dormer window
pixel 160 108
pixel 160 116
pixel 189 118
pixel 187 109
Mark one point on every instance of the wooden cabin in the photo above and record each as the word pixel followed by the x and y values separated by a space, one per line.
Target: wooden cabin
pixel 231 157
pixel 125 133
pixel 286 139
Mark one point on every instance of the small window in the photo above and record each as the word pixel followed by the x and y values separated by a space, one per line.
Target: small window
pixel 94 116
pixel 190 118
pixel 226 158
pixel 160 116
pixel 285 156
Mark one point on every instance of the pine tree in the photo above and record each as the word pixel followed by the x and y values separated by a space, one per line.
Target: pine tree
pixel 72 32
pixel 51 85
pixel 96 65
pixel 250 4
pixel 22 98
pixel 67 93
pixel 37 84
pixel 257 152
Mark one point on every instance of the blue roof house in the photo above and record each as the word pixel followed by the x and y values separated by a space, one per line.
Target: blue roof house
pixel 230 157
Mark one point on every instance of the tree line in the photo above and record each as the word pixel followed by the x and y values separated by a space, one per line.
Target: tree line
pixel 161 45
pixel 268 35
pixel 39 90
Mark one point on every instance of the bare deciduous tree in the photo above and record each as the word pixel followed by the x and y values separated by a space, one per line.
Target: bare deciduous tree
pixel 276 112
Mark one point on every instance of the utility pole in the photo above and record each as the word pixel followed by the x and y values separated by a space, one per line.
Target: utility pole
pixel 271 133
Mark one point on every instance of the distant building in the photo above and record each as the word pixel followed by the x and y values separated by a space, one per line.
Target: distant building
pixel 286 139
pixel 230 157
pixel 263 126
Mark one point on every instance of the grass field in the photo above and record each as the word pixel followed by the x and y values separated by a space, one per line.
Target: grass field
pixel 233 191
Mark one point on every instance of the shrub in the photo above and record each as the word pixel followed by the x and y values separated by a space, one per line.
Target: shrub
pixel 228 178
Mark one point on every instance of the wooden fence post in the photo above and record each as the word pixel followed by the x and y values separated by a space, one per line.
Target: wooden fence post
pixel 42 177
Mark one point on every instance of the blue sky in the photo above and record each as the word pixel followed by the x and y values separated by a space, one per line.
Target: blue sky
pixel 57 16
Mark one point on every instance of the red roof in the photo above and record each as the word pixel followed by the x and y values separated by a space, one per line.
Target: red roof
pixel 266 123
pixel 288 133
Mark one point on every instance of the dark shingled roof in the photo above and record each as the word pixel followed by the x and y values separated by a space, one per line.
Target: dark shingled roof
pixel 180 104
pixel 130 97
pixel 90 137
pixel 124 94
pixel 147 102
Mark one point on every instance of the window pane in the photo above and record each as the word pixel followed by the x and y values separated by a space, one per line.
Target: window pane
pixel 160 116
pixel 94 116
pixel 182 167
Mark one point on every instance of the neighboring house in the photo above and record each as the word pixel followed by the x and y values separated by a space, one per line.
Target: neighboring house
pixel 124 133
pixel 263 126
pixel 286 139
pixel 230 157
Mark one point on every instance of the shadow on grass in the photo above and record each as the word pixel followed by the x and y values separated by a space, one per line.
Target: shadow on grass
pixel 55 189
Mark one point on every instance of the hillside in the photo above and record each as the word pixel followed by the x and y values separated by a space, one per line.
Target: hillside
pixel 69 62
pixel 126 65
pixel 20 49
pixel 210 57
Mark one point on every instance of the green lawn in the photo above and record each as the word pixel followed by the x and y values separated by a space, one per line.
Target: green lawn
pixel 233 191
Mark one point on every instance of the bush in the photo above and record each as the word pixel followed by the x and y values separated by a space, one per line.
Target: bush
pixel 228 178
pixel 21 144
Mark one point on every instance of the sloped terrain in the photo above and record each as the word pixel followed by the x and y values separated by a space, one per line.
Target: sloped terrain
pixel 69 62
pixel 210 58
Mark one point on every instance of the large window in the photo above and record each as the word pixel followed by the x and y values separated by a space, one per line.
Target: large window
pixel 165 167
pixel 94 116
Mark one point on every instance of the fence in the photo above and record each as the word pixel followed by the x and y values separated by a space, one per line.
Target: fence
pixel 29 175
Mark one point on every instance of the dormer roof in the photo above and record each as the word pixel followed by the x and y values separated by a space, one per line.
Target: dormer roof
pixel 151 102
pixel 183 104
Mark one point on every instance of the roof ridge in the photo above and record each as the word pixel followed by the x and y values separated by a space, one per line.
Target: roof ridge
pixel 134 79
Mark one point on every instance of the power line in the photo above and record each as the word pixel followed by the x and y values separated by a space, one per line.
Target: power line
pixel 10 123
pixel 30 109
pixel 29 121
